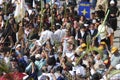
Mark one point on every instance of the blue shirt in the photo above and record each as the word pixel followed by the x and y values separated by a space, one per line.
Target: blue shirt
pixel 39 65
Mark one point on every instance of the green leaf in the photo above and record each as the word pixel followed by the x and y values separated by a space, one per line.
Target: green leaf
pixel 4 67
pixel 112 73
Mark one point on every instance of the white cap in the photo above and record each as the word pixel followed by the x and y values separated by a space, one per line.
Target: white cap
pixel 112 2
pixel 118 66
pixel 94 21
pixel 18 45
pixel 85 25
pixel 37 56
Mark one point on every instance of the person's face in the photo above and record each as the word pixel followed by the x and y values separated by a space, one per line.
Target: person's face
pixel 116 53
pixel 43 54
pixel 59 17
pixel 27 28
pixel 65 20
pixel 82 18
pixel 112 4
pixel 75 24
pixel 91 27
pixel 70 47
pixel 47 6
pixel 83 29
pixel 98 57
pixel 26 13
pixel 1 46
pixel 11 21
pixel 92 16
pixel 67 33
pixel 19 48
pixel 14 63
pixel 33 12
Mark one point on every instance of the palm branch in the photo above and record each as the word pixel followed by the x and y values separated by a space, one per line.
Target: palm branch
pixel 113 73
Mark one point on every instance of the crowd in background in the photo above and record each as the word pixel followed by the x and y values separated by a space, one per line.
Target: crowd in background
pixel 50 41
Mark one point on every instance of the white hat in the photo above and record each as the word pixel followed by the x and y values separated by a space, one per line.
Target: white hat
pixel 38 43
pixel 112 2
pixel 86 25
pixel 18 45
pixel 118 66
pixel 94 21
pixel 37 56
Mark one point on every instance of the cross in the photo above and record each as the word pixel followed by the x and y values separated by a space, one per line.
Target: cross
pixel 84 12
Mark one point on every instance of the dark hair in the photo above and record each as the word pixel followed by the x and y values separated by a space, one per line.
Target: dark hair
pixel 59 68
pixel 96 76
pixel 32 58
pixel 69 66
pixel 51 61
pixel 100 6
pixel 14 59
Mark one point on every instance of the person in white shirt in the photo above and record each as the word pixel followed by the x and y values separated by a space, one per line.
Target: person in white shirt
pixel 102 30
pixel 103 33
pixel 59 34
pixel 46 35
pixel 78 69
pixel 70 53
pixel 65 42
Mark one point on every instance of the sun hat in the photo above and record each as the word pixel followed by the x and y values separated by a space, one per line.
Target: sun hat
pixel 102 43
pixel 80 49
pixel 83 45
pixel 114 49
pixel 100 47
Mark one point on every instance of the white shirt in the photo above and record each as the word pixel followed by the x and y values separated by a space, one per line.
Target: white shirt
pixel 92 31
pixel 46 74
pixel 45 35
pixel 79 70
pixel 63 31
pixel 6 60
pixel 26 32
pixel 102 31
pixel 57 35
pixel 70 55
pixel 110 30
pixel 82 33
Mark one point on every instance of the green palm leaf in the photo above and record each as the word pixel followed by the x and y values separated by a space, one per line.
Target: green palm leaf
pixel 4 68
pixel 112 73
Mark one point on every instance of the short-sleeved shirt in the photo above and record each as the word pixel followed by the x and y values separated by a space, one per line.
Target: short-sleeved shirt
pixel 115 59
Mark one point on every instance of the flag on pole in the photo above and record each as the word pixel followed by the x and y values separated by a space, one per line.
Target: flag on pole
pixel 84 9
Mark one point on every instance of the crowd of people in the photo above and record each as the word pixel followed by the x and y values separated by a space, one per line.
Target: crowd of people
pixel 49 40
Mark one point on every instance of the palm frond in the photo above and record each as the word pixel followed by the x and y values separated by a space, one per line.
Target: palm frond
pixel 4 68
pixel 89 48
pixel 112 73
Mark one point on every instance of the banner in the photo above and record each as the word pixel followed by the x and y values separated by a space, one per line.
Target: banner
pixel 84 9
